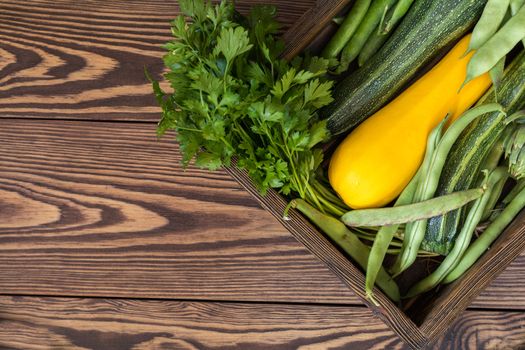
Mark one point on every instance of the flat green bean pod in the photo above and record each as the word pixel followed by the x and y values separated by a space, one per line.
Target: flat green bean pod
pixel 463 239
pixel 384 238
pixel 499 45
pixel 488 24
pixel 349 242
pixel 515 5
pixel 432 143
pixel 410 212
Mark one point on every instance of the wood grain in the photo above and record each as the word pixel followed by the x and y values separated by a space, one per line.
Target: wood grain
pixel 85 60
pixel 104 209
pixel 87 208
pixel 61 323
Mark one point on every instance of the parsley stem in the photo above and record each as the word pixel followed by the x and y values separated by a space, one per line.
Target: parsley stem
pixel 188 129
pixel 328 205
pixel 227 143
pixel 314 200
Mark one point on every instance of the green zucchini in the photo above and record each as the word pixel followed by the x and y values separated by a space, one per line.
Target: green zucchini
pixel 463 164
pixel 428 29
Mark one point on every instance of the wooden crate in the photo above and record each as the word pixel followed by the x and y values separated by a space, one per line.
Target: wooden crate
pixel 423 319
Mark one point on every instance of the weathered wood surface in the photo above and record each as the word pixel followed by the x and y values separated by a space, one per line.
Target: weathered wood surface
pixel 104 210
pixel 84 60
pixel 28 323
pixel 87 207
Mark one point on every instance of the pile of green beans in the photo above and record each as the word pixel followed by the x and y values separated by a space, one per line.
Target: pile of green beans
pixel 493 37
pixel 364 30
pixel 417 203
pixel 432 168
pixel 481 244
pixel 462 242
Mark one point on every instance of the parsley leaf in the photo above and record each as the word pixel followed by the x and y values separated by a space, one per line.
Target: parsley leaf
pixel 233 96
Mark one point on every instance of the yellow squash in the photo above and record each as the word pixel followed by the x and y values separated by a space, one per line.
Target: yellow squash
pixel 376 161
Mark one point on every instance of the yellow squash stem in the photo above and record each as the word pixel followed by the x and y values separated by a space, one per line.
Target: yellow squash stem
pixel 376 161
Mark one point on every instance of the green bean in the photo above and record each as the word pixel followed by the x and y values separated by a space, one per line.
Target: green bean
pixel 493 199
pixel 483 242
pixel 488 24
pixel 349 242
pixel 462 241
pixel 384 238
pixel 496 74
pixel 515 117
pixel 515 5
pixel 383 31
pixel 347 29
pixel 430 182
pixel 396 15
pixel 500 44
pixel 410 212
pixel 490 163
pixel 429 185
pixel 366 27
pixel 432 143
pixel 372 45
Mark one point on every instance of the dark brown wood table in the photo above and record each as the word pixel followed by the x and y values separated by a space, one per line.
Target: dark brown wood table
pixel 107 243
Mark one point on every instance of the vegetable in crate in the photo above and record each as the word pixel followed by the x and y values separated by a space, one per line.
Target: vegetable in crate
pixel 492 42
pixel 428 28
pixel 463 164
pixel 376 161
pixel 234 97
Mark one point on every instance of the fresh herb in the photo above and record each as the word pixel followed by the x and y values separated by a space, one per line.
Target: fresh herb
pixel 234 97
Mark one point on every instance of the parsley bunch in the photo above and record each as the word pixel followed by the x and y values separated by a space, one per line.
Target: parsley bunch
pixel 234 97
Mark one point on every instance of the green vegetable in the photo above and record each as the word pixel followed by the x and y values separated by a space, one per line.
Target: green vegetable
pixel 410 212
pixel 463 240
pixel 499 45
pixel 363 32
pixel 489 23
pixel 428 29
pixel 515 151
pixel 515 5
pixel 233 96
pixel 384 237
pixel 347 29
pixel 482 243
pixel 372 45
pixel 383 31
pixel 463 164
pixel 395 16
pixel 430 179
pixel 349 242
pixel 496 73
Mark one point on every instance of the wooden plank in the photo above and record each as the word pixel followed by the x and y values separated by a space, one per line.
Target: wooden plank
pixel 61 323
pixel 61 59
pixel 85 208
